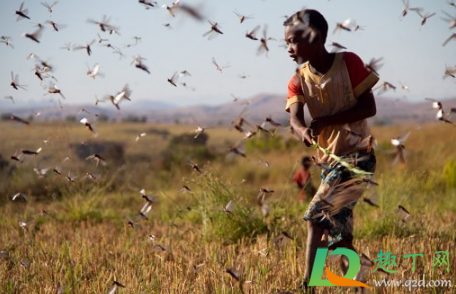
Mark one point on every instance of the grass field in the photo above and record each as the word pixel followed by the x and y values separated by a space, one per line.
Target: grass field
pixel 77 237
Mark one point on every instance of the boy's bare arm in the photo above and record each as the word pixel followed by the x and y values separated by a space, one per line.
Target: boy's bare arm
pixel 298 123
pixel 364 108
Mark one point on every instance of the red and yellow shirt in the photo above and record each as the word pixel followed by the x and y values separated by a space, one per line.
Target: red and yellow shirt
pixel 331 93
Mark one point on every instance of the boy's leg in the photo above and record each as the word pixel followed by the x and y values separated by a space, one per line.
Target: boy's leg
pixel 314 235
pixel 344 243
pixel 314 241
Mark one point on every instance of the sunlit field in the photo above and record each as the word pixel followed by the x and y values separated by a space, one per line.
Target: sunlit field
pixel 80 231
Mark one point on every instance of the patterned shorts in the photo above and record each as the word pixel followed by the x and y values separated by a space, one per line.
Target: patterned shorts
pixel 341 224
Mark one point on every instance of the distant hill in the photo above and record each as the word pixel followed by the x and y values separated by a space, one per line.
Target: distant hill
pixel 256 109
pixel 394 111
pixel 389 111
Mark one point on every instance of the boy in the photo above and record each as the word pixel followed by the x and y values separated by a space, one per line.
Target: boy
pixel 337 88
pixel 302 180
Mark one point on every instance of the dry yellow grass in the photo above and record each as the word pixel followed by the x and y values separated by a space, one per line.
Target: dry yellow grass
pixel 85 242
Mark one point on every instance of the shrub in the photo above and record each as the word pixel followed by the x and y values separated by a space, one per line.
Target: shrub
pixel 111 151
pixel 3 163
pixel 217 225
pixel 266 144
pixel 135 119
pixel 449 173
pixel 183 147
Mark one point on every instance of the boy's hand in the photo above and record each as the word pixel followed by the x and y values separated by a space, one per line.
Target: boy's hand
pixel 306 136
pixel 317 125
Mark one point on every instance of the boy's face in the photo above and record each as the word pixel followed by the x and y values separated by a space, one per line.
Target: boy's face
pixel 299 48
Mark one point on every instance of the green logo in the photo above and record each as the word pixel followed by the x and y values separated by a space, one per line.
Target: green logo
pixel 354 264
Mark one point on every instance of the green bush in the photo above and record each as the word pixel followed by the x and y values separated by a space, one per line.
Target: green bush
pixel 449 173
pixel 266 144
pixel 3 163
pixel 212 196
pixel 183 148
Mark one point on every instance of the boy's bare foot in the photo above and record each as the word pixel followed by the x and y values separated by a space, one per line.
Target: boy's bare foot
pixel 304 288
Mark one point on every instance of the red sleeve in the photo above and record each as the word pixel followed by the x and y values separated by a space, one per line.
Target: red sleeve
pixel 294 87
pixel 295 93
pixel 361 77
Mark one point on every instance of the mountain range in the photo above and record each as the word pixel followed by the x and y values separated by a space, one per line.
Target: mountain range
pixel 255 109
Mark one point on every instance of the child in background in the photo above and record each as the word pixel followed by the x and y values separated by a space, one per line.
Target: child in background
pixel 302 180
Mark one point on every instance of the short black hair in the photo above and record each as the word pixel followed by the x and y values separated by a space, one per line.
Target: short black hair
pixel 311 18
pixel 306 161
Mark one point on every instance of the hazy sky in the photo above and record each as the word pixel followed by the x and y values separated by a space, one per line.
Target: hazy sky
pixel 412 54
